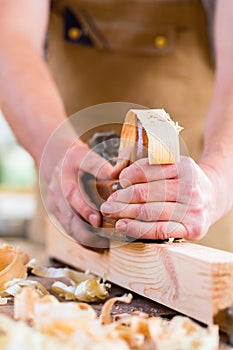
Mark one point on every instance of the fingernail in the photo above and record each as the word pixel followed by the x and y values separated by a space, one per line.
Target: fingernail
pixel 125 183
pixel 121 225
pixel 106 208
pixel 94 220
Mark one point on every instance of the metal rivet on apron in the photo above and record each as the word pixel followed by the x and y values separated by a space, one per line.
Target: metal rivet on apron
pixel 74 33
pixel 160 41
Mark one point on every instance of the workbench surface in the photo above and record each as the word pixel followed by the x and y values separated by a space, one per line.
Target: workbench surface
pixel 138 303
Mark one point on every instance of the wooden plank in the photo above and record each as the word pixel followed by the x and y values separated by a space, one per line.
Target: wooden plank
pixel 138 303
pixel 192 279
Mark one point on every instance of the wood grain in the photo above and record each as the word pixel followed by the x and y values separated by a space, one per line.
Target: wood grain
pixel 192 279
pixel 138 303
pixel 150 133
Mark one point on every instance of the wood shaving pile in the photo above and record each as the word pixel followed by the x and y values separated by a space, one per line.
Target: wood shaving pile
pixel 44 323
pixel 75 326
pixel 13 264
pixel 13 278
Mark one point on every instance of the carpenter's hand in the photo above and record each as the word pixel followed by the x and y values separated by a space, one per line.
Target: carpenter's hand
pixel 67 199
pixel 177 200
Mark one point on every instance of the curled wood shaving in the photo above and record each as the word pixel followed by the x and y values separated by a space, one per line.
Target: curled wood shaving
pixel 133 339
pixel 13 273
pixel 13 263
pixel 88 291
pixel 24 303
pixel 77 327
pixel 54 272
pixel 47 316
pixel 16 286
pixel 17 335
pixel 182 333
pixel 91 290
pixel 3 300
pixel 106 310
pixel 74 324
pixel 63 290
pixel 83 286
pixel 137 324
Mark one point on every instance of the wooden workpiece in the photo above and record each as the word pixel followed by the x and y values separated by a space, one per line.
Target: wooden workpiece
pixel 138 303
pixel 192 279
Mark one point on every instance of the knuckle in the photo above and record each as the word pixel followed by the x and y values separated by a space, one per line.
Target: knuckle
pixel 139 212
pixel 167 212
pixel 188 162
pixel 170 171
pixel 71 153
pixel 141 162
pixel 140 194
pixel 196 209
pixel 141 231
pixel 52 187
pixel 160 231
pixel 83 210
pixel 195 231
pixel 144 212
pixel 195 194
pixel 69 191
pixel 136 170
pixel 187 166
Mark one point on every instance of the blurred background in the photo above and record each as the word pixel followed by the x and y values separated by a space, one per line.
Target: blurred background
pixel 17 180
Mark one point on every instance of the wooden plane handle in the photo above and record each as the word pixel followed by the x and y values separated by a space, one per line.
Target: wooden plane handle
pixel 152 133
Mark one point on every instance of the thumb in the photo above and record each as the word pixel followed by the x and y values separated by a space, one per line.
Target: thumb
pixel 82 157
pixel 123 160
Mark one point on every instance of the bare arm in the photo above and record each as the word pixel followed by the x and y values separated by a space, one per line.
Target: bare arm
pixel 218 149
pixel 28 96
pixel 31 103
pixel 183 201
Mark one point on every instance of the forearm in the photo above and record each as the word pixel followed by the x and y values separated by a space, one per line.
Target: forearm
pixel 218 144
pixel 29 99
pixel 218 140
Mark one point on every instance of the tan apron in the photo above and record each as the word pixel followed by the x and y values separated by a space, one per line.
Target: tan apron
pixel 154 53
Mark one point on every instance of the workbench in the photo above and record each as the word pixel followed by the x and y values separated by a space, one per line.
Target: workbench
pixel 138 303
